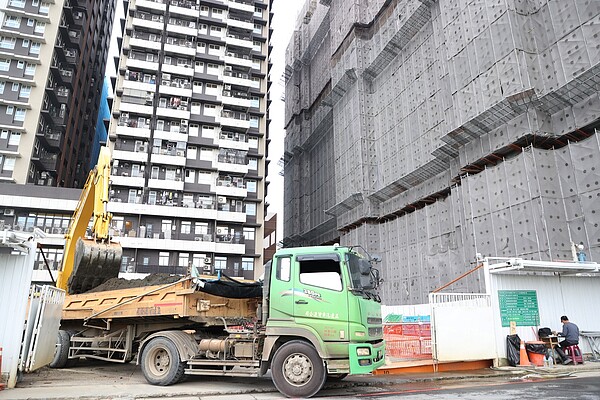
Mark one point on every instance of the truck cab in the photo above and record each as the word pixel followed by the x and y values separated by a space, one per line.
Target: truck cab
pixel 322 299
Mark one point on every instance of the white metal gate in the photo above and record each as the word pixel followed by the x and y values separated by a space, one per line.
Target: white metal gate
pixel 462 327
pixel 43 321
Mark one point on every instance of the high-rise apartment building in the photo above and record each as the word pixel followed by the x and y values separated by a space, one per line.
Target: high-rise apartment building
pixel 189 134
pixel 437 132
pixel 52 61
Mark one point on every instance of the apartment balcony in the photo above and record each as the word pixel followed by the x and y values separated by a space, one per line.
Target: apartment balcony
pixel 240 24
pixel 185 48
pixel 46 162
pixel 146 23
pixel 164 184
pixel 135 156
pixel 236 101
pixel 51 140
pixel 172 112
pixel 233 144
pixel 132 131
pixel 233 41
pixel 176 90
pixel 222 189
pixel 233 122
pixel 183 7
pixel 62 76
pixel 161 242
pixel 234 59
pixel 56 118
pixel 137 85
pixel 182 29
pixel 175 135
pixel 126 180
pixel 142 64
pixel 162 210
pixel 169 158
pixel 233 80
pixel 135 108
pixel 153 5
pixel 234 5
pixel 144 44
pixel 187 70
pixel 230 167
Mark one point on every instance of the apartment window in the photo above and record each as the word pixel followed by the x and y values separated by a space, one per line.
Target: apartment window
pixel 186 227
pixel 251 209
pixel 10 110
pixel 190 176
pixel 132 196
pixel 20 64
pixel 30 22
pixel 252 163
pixel 20 114
pixel 163 259
pixel 17 3
pixel 12 21
pixel 14 139
pixel 15 87
pixel 251 186
pixel 44 8
pixel 204 10
pixel 154 173
pixel 40 27
pixel 249 233
pixel 35 48
pixel 217 11
pixel 25 91
pixel 247 264
pixel 30 69
pixel 150 57
pixel 214 47
pixel 7 42
pixel 35 3
pixel 184 260
pixel 4 65
pixel 2 85
pixel 201 228
pixel 257 29
pixel 9 163
pixel 25 43
pixel 220 262
pixel 152 198
pixel 192 152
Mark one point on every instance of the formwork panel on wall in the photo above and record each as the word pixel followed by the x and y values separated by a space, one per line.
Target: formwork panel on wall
pixel 524 229
pixel 484 235
pixel 516 177
pixel 587 170
pixel 590 202
pixel 503 233
pixel 478 189
pixel 564 16
pixel 546 181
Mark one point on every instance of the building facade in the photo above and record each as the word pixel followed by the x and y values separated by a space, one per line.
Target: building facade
pixel 52 61
pixel 432 132
pixel 189 135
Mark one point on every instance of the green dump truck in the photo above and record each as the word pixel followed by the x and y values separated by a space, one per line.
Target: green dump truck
pixel 315 315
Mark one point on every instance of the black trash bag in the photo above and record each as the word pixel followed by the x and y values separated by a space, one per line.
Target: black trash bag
pixel 513 354
pixel 544 332
pixel 537 348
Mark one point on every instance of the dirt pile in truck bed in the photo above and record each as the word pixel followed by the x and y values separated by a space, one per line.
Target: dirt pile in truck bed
pixel 150 280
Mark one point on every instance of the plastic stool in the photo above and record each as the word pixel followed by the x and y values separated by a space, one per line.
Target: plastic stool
pixel 575 354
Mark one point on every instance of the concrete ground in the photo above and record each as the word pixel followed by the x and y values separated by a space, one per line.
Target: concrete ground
pixel 101 381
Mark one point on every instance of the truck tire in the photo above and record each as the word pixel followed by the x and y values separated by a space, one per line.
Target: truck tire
pixel 161 364
pixel 61 352
pixel 297 369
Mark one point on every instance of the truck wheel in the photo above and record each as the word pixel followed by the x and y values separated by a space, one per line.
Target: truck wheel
pixel 61 352
pixel 298 370
pixel 161 364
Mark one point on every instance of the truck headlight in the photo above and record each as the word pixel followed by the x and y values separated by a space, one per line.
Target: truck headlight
pixel 363 351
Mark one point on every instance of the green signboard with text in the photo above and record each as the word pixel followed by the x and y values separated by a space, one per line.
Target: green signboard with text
pixel 520 306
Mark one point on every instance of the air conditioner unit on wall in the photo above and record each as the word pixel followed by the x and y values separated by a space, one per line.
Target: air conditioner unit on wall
pixel 222 199
pixel 207 260
pixel 9 211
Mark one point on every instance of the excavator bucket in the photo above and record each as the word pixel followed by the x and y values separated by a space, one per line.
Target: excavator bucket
pixel 95 263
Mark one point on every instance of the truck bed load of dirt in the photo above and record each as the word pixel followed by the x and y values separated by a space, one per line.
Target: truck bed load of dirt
pixel 150 280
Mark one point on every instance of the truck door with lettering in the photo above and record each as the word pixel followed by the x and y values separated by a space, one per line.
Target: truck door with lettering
pixel 320 298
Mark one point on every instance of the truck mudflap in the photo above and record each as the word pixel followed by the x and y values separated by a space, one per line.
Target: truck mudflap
pixel 366 357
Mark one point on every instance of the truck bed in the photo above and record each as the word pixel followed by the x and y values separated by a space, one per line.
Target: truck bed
pixel 174 300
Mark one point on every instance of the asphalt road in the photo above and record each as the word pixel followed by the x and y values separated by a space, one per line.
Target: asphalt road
pixel 583 386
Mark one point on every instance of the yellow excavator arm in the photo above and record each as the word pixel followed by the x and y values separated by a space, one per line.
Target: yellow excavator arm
pixel 89 262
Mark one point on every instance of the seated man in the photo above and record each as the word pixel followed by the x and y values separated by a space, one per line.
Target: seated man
pixel 570 332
